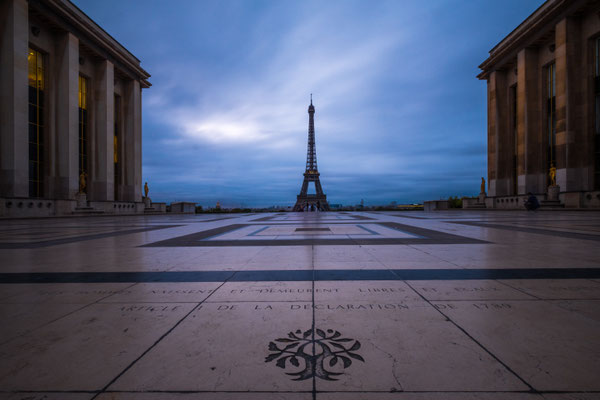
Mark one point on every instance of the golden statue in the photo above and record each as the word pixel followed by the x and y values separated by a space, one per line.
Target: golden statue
pixel 482 185
pixel 115 149
pixel 146 189
pixel 82 183
pixel 552 175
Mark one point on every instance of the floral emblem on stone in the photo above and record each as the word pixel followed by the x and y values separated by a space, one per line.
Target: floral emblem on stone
pixel 314 353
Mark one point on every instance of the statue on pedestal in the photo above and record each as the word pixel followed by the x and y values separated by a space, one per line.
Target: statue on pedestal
pixel 81 197
pixel 553 189
pixel 482 185
pixel 82 182
pixel 552 174
pixel 147 201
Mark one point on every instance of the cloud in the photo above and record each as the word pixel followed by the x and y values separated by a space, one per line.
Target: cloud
pixel 268 109
pixel 400 115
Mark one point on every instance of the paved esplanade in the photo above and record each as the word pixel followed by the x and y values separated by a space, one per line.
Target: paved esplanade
pixel 407 305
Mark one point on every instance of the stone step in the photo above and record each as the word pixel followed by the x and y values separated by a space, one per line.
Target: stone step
pixel 87 211
pixel 153 211
pixel 551 204
pixel 476 205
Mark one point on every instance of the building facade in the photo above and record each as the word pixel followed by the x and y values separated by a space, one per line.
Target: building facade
pixel 543 86
pixel 70 114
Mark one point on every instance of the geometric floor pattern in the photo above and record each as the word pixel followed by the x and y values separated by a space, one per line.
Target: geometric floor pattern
pixel 391 305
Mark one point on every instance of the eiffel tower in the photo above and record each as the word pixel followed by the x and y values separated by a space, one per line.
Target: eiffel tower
pixel 305 201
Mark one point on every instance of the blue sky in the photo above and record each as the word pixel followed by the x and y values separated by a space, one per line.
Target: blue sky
pixel 400 115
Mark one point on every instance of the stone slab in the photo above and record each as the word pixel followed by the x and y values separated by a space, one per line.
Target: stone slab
pixel 410 346
pixel 558 289
pixel 550 348
pixel 467 290
pixel 220 347
pixel 98 344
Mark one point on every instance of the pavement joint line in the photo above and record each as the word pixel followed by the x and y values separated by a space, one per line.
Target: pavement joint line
pixel 554 302
pixel 156 342
pixel 60 317
pixel 314 377
pixel 517 289
pixel 509 369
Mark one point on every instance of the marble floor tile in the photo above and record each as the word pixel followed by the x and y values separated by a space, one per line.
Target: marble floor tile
pixel 555 289
pixel 572 396
pixel 65 293
pixel 363 291
pixel 429 396
pixel 124 314
pixel 263 291
pixel 205 396
pixel 550 348
pixel 85 350
pixel 467 290
pixel 407 346
pixel 222 347
pixel 587 308
pixel 18 319
pixel 169 292
pixel 45 396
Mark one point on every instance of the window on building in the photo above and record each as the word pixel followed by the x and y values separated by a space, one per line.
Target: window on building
pixel 83 129
pixel 513 127
pixel 597 127
pixel 117 144
pixel 36 123
pixel 551 113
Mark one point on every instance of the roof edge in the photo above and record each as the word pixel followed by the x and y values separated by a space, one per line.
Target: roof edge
pixel 79 19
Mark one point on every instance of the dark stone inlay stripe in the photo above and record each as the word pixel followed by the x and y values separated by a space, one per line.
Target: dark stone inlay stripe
pixel 311 229
pixel 324 218
pixel 47 243
pixel 301 275
pixel 423 236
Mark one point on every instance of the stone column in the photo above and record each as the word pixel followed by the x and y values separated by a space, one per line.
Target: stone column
pixel 14 48
pixel 499 107
pixel 102 179
pixel 67 119
pixel 530 149
pixel 138 141
pixel 492 134
pixel 571 141
pixel 133 142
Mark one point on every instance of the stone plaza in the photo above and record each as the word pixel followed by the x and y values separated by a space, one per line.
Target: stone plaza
pixel 391 305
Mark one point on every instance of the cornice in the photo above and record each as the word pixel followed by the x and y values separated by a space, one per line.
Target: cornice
pixel 533 27
pixel 73 17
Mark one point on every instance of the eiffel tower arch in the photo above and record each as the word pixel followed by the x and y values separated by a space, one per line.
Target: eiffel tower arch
pixel 317 201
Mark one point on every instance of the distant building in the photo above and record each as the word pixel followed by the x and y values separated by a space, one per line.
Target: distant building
pixel 71 103
pixel 544 106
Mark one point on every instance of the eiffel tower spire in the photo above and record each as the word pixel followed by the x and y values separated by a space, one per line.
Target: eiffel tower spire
pixel 311 152
pixel 304 200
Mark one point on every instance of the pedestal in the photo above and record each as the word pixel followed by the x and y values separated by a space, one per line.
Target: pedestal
pixel 482 197
pixel 82 206
pixel 552 200
pixel 147 202
pixel 553 192
pixel 81 200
